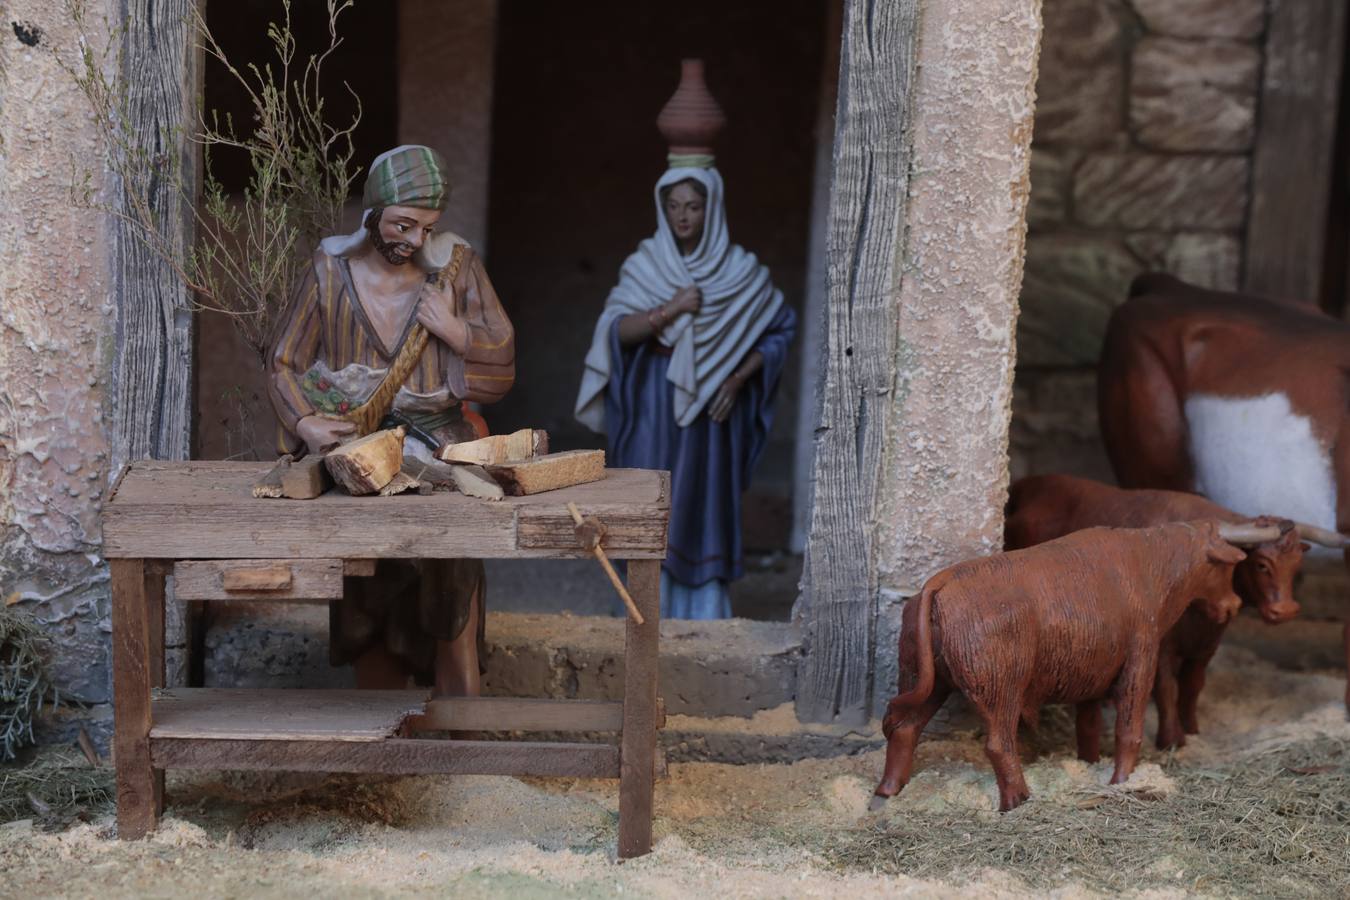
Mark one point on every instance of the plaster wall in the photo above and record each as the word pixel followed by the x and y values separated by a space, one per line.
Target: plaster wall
pixel 56 346
pixel 946 470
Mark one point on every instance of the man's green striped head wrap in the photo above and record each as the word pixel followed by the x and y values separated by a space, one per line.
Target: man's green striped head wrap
pixel 411 175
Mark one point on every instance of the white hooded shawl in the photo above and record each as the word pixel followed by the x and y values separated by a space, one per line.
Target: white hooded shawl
pixel 739 302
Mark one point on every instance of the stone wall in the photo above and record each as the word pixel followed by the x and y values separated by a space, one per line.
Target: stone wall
pixel 1145 121
pixel 56 346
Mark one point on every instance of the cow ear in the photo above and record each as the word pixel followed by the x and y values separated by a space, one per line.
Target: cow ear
pixel 1225 553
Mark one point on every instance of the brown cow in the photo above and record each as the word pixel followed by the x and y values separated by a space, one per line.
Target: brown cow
pixel 1075 619
pixel 1045 507
pixel 1242 399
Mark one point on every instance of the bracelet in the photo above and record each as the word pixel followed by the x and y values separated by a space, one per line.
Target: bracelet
pixel 656 318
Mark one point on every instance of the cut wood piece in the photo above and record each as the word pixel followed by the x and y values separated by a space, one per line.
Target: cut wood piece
pixel 266 578
pixel 270 484
pixel 548 473
pixel 367 464
pixel 305 580
pixel 305 479
pixel 498 448
pixel 282 715
pixel 401 482
pixel 473 481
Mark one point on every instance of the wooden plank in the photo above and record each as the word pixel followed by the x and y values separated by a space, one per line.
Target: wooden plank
pixel 872 153
pixel 474 481
pixel 151 406
pixel 157 500
pixel 140 787
pixel 549 473
pixel 624 531
pixel 358 568
pixel 282 715
pixel 637 775
pixel 238 579
pixel 518 714
pixel 1293 162
pixel 400 756
pixel 268 578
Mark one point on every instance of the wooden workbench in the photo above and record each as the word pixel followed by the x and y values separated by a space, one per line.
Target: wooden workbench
pixel 200 522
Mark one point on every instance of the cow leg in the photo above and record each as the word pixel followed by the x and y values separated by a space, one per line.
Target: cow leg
pixel 903 726
pixel 1132 690
pixel 1165 692
pixel 1192 683
pixel 1001 747
pixel 1088 729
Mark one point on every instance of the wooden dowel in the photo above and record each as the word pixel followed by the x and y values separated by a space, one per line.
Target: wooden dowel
pixel 609 569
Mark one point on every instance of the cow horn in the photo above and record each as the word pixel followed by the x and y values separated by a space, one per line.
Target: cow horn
pixel 1241 534
pixel 1321 536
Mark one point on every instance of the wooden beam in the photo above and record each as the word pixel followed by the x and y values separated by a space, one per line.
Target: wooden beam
pixel 518 714
pixel 397 756
pixel 872 153
pixel 1292 166
pixel 140 784
pixel 152 382
pixel 641 711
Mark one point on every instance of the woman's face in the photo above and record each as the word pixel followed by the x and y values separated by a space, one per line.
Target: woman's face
pixel 684 212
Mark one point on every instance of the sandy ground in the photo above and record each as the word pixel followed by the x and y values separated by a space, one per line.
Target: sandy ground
pixel 742 831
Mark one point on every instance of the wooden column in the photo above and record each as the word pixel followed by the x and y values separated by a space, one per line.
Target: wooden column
pixel 872 151
pixel 1292 166
pixel 138 655
pixel 153 366
pixel 637 755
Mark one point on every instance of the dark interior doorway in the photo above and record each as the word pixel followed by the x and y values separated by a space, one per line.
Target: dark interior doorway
pixel 575 155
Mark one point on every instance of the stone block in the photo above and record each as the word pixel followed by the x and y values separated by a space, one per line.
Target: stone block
pixel 1069 287
pixel 1051 183
pixel 1237 19
pixel 1080 89
pixel 270 645
pixel 731 667
pixel 1194 95
pixel 1203 258
pixel 1054 425
pixel 1142 191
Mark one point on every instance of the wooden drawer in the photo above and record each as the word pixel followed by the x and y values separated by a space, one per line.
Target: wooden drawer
pixel 318 580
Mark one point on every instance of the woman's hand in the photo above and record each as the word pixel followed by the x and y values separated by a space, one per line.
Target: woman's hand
pixel 436 312
pixel 319 433
pixel 686 300
pixel 720 406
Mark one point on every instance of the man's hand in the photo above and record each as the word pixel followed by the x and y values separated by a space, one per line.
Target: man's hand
pixel 719 407
pixel 319 433
pixel 686 300
pixel 436 312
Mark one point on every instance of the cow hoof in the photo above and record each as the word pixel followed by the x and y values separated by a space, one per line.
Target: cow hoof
pixel 1012 801
pixel 877 804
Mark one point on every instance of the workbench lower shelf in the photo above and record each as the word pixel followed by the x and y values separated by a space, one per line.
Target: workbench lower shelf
pixel 364 731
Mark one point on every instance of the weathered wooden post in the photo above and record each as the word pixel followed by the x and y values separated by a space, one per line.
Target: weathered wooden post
pixel 927 224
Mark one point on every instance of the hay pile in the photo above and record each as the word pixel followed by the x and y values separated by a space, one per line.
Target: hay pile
pixel 24 685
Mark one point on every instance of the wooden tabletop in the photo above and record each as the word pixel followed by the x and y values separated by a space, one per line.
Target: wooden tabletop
pixel 206 510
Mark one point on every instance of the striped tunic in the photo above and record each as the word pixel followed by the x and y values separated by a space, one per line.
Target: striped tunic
pixel 326 322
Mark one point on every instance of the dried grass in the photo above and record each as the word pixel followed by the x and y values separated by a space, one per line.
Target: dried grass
pixel 56 787
pixel 1273 823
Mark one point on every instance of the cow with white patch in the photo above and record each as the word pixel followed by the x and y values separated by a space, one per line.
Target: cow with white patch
pixel 1240 398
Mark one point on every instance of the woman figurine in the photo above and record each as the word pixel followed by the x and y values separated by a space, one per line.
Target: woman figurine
pixel 686 359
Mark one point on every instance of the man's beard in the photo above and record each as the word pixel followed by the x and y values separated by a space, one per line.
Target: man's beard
pixel 388 249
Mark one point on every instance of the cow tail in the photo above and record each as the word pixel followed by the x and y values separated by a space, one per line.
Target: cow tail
pixel 924 647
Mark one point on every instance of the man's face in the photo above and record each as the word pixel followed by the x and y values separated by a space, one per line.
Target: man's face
pixel 402 230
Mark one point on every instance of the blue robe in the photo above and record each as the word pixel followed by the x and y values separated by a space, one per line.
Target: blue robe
pixel 710 462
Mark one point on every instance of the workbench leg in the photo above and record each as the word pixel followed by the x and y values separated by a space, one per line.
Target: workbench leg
pixel 138 653
pixel 637 754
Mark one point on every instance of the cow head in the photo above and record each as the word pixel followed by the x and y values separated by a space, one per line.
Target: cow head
pixel 1213 590
pixel 1265 579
